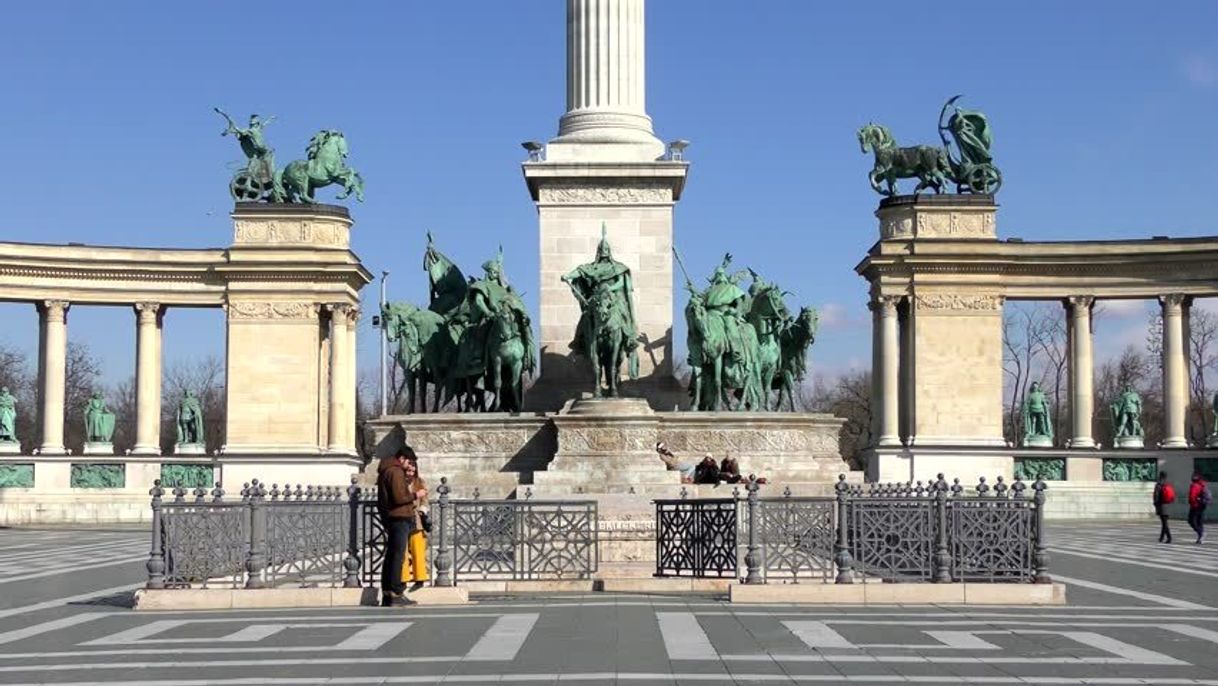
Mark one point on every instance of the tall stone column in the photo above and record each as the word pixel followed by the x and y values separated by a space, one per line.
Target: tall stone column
pixel 339 362
pixel 1175 386
pixel 352 382
pixel 606 94
pixel 54 353
pixel 885 308
pixel 1082 392
pixel 147 379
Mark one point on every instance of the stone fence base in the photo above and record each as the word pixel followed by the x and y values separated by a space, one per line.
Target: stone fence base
pixel 900 594
pixel 239 598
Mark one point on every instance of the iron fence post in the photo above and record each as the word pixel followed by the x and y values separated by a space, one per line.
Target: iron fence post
pixel 443 567
pixel 841 555
pixel 943 560
pixel 1040 555
pixel 352 562
pixel 156 556
pixel 255 561
pixel 752 559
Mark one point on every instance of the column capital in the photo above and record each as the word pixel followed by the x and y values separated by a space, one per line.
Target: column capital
pixel 885 305
pixel 343 313
pixel 1173 301
pixel 55 310
pixel 1076 302
pixel 148 312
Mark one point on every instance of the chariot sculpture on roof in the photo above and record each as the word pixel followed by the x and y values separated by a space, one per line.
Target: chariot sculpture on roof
pixel 325 163
pixel 964 159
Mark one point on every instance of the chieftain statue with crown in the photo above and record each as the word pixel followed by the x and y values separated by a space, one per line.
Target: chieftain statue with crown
pixel 606 333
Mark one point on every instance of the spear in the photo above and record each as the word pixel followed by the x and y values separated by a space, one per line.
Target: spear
pixel 681 263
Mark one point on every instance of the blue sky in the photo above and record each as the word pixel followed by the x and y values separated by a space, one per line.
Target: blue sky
pixel 1105 119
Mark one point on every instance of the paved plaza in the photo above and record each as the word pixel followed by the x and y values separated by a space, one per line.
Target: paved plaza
pixel 1139 613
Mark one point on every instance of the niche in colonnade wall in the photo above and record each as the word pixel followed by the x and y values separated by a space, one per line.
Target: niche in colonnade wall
pixel 194 358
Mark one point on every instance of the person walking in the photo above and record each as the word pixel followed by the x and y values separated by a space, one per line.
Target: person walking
pixel 396 506
pixel 1165 494
pixel 1198 499
pixel 414 571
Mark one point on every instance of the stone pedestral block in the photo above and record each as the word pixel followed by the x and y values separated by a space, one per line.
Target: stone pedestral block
pixel 634 201
pixel 906 217
pixel 279 311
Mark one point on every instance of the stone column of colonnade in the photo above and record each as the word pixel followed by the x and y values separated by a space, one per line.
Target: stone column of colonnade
pixel 53 354
pixel 1081 370
pixel 148 361
pixel 887 371
pixel 352 373
pixel 1175 382
pixel 342 378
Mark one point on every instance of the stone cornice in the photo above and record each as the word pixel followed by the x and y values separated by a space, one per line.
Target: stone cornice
pixel 1132 269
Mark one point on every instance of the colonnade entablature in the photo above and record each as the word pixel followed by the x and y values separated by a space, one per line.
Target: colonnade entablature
pixel 289 285
pixel 939 277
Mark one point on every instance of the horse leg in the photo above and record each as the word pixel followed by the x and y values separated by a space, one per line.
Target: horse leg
pixel 718 387
pixel 515 386
pixel 495 373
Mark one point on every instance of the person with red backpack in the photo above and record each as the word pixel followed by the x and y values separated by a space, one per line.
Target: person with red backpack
pixel 1199 498
pixel 1165 494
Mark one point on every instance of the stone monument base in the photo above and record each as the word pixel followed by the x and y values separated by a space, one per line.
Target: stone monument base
pixel 1038 442
pixel 189 449
pixel 98 448
pixel 1135 442
pixel 604 450
pixel 10 448
pixel 1212 441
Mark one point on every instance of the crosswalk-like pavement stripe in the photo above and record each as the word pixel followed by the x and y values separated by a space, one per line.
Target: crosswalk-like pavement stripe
pixel 1152 597
pixel 1131 561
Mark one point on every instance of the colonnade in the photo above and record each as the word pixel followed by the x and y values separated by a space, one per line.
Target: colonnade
pixel 890 364
pixel 149 316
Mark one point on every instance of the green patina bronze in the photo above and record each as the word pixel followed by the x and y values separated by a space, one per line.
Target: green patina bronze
pixel 189 420
pixel 16 475
pixel 743 346
pixel 95 475
pixel 8 416
pixel 188 475
pixel 325 164
pixel 1127 415
pixel 1130 469
pixel 965 159
pixel 606 333
pixel 1030 469
pixel 99 421
pixel 474 338
pixel 1037 421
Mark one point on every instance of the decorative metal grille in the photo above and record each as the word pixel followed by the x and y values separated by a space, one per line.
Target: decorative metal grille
pixel 372 538
pixel 991 539
pixel 205 543
pixel 306 536
pixel 524 539
pixel 796 536
pixel 696 537
pixel 892 538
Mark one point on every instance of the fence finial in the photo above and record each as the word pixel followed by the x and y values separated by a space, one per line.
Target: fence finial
pixel 1018 487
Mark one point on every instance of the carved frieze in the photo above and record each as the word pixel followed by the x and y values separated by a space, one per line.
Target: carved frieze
pixel 915 222
pixel 325 234
pixel 605 439
pixel 243 309
pixel 813 441
pixel 598 193
pixel 959 302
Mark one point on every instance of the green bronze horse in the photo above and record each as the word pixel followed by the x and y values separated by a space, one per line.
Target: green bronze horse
pixel 326 164
pixel 928 163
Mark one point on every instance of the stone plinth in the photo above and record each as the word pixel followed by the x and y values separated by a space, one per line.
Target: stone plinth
pixel 296 299
pixel 98 448
pixel 1130 442
pixel 906 217
pixel 189 449
pixel 493 452
pixel 304 469
pixel 634 202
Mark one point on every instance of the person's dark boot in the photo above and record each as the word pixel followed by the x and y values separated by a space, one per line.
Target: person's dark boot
pixel 416 586
pixel 401 601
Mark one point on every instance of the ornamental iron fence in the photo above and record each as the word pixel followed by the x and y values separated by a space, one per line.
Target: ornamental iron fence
pixel 324 536
pixel 907 532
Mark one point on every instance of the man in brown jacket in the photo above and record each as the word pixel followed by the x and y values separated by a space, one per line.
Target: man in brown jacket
pixel 395 502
